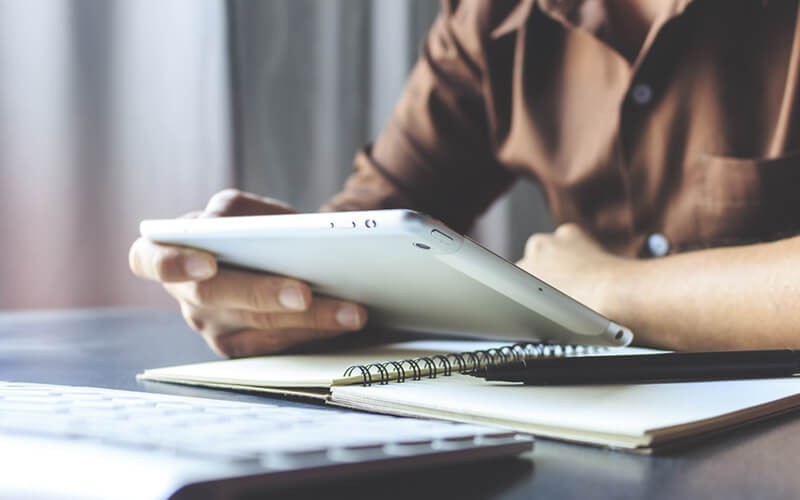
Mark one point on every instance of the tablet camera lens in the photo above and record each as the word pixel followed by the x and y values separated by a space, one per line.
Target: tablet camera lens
pixel 370 223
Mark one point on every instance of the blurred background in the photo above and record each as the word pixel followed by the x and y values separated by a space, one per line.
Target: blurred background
pixel 113 111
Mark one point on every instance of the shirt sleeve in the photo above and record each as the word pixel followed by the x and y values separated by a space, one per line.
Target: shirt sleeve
pixel 435 154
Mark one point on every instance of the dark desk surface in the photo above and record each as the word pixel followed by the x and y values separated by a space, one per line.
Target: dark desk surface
pixel 107 348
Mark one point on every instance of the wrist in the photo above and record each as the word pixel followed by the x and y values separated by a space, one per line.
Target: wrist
pixel 617 290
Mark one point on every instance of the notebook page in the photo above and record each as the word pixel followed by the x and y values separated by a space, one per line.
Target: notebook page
pixel 627 411
pixel 306 370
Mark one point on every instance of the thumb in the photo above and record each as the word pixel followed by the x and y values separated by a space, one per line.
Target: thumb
pixel 232 202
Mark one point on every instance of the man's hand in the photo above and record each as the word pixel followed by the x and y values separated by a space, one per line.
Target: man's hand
pixel 570 260
pixel 241 313
pixel 741 297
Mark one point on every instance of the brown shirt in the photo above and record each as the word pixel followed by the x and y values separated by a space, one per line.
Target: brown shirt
pixel 696 138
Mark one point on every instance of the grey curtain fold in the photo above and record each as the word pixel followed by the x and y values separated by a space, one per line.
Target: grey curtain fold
pixel 110 112
pixel 301 92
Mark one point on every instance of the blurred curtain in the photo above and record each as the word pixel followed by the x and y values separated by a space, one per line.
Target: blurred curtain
pixel 313 80
pixel 300 94
pixel 112 111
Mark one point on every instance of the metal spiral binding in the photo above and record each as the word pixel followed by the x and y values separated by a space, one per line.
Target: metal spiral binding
pixel 462 362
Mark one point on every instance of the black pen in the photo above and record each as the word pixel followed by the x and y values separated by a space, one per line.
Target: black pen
pixel 666 367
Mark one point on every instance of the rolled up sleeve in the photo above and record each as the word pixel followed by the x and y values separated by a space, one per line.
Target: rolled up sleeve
pixel 435 154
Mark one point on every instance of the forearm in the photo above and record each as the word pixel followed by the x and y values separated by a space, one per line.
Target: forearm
pixel 735 297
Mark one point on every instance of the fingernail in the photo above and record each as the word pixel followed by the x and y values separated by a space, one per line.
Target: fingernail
pixel 349 317
pixel 291 297
pixel 199 267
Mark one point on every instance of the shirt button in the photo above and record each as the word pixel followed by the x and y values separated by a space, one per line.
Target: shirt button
pixel 658 245
pixel 642 93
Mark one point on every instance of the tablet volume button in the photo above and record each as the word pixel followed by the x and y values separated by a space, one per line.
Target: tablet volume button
pixel 442 237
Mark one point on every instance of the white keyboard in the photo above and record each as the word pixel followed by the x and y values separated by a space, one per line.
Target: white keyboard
pixel 106 434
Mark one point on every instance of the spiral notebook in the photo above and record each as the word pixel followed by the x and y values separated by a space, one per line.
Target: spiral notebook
pixel 312 375
pixel 421 378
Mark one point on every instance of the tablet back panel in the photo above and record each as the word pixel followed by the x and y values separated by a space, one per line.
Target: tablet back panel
pixel 411 271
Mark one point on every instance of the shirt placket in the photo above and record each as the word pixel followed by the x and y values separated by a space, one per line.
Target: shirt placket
pixel 644 88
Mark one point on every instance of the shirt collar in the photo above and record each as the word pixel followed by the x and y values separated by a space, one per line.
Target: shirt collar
pixel 589 14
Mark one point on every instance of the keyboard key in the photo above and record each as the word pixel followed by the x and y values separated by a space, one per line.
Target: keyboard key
pixel 274 437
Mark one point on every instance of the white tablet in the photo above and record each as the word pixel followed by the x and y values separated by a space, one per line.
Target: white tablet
pixel 411 271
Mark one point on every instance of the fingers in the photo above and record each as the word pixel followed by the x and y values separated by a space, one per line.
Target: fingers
pixel 240 313
pixel 232 202
pixel 573 234
pixel 233 333
pixel 565 234
pixel 170 263
pixel 242 290
pixel 252 342
pixel 322 314
pixel 569 230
